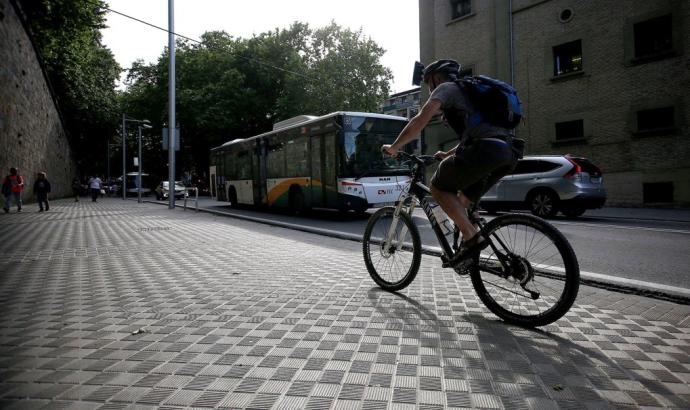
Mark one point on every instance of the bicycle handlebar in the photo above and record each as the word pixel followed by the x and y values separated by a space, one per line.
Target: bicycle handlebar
pixel 419 159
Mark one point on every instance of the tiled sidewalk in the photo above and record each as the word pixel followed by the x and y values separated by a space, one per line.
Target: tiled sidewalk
pixel 118 304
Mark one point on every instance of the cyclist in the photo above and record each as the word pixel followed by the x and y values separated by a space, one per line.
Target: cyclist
pixel 483 155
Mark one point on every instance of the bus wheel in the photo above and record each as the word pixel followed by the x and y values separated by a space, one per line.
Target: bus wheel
pixel 296 201
pixel 232 197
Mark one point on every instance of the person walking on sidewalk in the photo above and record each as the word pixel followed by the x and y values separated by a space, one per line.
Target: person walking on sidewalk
pixel 42 189
pixel 76 188
pixel 12 188
pixel 95 187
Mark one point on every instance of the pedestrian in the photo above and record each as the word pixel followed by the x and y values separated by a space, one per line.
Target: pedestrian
pixel 12 187
pixel 76 188
pixel 95 187
pixel 42 189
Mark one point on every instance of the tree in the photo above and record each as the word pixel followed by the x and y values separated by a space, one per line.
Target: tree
pixel 229 88
pixel 81 70
pixel 348 71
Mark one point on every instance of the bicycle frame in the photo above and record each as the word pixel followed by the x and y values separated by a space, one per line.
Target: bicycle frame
pixel 416 191
pixel 507 257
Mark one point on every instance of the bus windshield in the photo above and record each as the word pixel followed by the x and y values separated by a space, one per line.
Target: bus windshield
pixel 363 138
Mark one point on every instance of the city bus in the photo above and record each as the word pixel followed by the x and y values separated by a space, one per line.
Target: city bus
pixel 333 162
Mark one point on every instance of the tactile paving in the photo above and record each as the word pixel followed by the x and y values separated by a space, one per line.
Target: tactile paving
pixel 117 304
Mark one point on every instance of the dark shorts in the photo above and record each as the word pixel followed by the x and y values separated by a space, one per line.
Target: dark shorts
pixel 476 168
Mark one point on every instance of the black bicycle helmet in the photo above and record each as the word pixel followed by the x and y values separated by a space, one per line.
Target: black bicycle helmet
pixel 450 67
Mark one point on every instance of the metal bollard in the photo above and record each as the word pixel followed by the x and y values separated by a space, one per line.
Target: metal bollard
pixel 196 198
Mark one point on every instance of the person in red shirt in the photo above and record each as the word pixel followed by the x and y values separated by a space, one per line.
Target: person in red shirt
pixel 12 187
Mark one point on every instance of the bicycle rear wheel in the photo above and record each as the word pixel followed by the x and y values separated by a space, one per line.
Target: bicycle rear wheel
pixel 539 278
pixel 392 254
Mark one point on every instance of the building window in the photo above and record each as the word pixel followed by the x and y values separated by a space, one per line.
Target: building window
pixel 656 119
pixel 565 15
pixel 460 8
pixel 570 130
pixel 654 192
pixel 653 37
pixel 567 58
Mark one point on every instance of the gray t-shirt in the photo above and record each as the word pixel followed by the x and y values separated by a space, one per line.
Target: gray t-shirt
pixel 453 99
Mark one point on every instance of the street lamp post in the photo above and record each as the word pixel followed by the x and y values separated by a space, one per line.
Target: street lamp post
pixel 124 159
pixel 108 153
pixel 124 149
pixel 143 124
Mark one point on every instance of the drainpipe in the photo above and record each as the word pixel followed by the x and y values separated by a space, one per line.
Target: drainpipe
pixel 510 35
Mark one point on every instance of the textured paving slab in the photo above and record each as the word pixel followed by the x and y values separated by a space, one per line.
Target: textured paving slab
pixel 115 305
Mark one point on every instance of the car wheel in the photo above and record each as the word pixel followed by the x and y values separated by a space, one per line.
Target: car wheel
pixel 573 212
pixel 543 204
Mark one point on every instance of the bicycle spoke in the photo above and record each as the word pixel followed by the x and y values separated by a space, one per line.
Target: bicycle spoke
pixel 390 255
pixel 530 281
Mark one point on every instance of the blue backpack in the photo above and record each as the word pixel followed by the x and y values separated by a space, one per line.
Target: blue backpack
pixel 496 101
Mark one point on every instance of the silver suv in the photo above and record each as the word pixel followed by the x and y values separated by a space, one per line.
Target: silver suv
pixel 547 184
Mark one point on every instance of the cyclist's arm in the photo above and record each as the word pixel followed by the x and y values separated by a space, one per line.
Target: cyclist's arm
pixel 415 126
pixel 444 154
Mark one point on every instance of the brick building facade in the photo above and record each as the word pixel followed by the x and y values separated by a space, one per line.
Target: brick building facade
pixel 607 80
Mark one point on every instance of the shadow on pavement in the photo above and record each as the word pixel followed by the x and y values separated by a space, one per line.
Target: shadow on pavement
pixel 510 359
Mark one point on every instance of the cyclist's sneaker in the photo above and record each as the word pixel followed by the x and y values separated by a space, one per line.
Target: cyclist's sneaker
pixel 469 249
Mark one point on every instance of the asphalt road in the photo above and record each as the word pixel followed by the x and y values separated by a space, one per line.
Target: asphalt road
pixel 621 248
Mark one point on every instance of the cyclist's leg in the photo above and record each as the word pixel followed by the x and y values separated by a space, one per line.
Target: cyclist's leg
pixel 451 203
pixel 456 174
pixel 500 160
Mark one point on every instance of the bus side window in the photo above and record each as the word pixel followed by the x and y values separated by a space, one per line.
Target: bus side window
pixel 275 160
pixel 296 157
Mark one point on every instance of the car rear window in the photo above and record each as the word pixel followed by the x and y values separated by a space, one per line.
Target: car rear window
pixel 530 166
pixel 587 166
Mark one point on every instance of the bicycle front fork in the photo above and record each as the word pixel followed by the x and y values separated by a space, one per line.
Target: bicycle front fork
pixel 389 242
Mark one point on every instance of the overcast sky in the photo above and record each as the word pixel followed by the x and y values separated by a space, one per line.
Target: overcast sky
pixel 392 24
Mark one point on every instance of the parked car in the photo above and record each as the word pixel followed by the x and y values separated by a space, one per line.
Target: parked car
pixel 547 184
pixel 162 191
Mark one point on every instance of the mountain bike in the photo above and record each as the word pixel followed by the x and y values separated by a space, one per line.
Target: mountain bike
pixel 528 275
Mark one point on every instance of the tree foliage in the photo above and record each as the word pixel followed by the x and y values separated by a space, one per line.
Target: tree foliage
pixel 229 88
pixel 81 70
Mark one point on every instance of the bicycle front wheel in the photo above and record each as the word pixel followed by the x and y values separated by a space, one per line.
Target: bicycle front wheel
pixel 529 275
pixel 392 249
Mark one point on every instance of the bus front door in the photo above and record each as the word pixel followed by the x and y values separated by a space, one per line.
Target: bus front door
pixel 317 198
pixel 212 182
pixel 324 192
pixel 329 172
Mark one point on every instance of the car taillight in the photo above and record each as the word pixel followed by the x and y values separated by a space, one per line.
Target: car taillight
pixel 575 172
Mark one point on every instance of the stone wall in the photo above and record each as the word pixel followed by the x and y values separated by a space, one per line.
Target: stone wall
pixel 32 137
